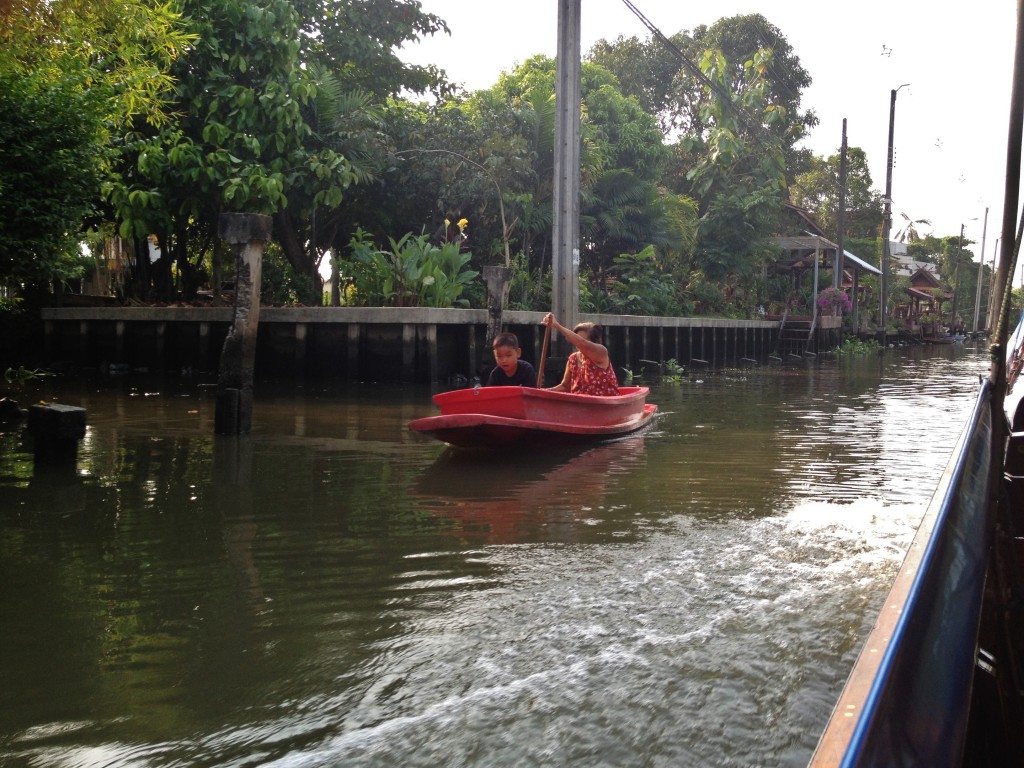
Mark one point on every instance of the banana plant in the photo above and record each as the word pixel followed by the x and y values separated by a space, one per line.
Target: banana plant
pixel 414 272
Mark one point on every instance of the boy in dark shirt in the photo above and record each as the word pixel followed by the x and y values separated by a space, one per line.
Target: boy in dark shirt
pixel 510 371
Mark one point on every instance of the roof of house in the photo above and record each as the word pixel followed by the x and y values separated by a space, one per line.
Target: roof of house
pixel 924 285
pixel 803 246
pixel 924 277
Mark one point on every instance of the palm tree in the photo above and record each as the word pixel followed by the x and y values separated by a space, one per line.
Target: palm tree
pixel 909 233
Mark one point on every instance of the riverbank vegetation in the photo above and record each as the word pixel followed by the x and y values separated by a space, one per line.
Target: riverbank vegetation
pixel 304 110
pixel 854 347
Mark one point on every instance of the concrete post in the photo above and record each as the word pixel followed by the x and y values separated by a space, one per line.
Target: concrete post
pixel 496 279
pixel 409 336
pixel 432 351
pixel 56 431
pixel 246 233
pixel 204 345
pixel 354 335
pixel 300 349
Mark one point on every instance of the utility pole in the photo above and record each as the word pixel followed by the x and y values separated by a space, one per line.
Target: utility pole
pixel 887 221
pixel 981 274
pixel 956 275
pixel 837 262
pixel 991 306
pixel 565 260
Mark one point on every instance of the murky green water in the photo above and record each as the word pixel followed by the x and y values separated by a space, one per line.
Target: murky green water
pixel 335 590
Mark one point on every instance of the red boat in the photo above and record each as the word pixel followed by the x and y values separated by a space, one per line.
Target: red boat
pixel 499 417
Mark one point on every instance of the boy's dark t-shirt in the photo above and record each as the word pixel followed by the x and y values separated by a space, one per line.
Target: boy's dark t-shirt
pixel 525 376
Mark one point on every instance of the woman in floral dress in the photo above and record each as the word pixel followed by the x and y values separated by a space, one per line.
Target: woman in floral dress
pixel 588 371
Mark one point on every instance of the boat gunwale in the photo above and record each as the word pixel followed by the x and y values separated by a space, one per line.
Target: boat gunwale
pixel 857 711
pixel 625 395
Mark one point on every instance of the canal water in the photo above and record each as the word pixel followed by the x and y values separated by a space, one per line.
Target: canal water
pixel 336 591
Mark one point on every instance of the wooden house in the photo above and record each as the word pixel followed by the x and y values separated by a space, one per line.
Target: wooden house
pixel 804 255
pixel 922 313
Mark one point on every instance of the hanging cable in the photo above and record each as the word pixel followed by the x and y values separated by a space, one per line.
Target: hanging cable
pixel 693 69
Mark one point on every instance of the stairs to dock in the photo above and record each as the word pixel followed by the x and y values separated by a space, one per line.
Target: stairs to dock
pixel 796 338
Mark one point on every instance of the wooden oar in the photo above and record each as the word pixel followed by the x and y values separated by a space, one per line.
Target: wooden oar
pixel 543 357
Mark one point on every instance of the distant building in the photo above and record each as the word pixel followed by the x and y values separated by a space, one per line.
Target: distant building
pixel 906 266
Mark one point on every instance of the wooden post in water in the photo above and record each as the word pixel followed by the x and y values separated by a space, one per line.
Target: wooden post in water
pixel 246 233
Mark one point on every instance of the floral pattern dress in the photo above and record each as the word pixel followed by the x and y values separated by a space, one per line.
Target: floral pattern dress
pixel 586 378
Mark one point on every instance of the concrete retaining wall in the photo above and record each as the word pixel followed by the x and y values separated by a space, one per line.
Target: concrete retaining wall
pixel 384 343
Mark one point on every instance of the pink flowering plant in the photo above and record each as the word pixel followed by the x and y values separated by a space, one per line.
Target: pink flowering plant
pixel 834 300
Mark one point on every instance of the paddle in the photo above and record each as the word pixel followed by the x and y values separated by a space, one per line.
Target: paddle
pixel 543 357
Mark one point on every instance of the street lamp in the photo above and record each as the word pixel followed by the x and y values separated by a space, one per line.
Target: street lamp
pixel 887 218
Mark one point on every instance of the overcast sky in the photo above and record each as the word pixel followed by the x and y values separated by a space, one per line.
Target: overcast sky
pixel 950 121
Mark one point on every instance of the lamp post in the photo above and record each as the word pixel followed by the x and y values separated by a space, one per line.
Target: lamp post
pixel 887 220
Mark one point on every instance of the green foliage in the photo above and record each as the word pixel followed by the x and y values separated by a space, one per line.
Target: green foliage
pixel 292 108
pixel 49 176
pixel 738 172
pixel 281 285
pixel 239 142
pixel 528 289
pixel 278 110
pixel 115 53
pixel 620 209
pixel 672 371
pixel 11 306
pixel 413 273
pixel 360 41
pixel 650 72
pixel 817 190
pixel 856 347
pixel 21 374
pixel 708 296
pixel 637 284
pixel 71 75
pixel 669 372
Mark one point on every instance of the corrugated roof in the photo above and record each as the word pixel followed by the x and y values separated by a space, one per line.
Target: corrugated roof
pixel 812 243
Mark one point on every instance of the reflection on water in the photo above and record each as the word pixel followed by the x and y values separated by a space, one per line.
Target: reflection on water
pixel 334 590
pixel 523 497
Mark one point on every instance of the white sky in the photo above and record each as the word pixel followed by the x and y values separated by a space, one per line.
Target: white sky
pixel 950 132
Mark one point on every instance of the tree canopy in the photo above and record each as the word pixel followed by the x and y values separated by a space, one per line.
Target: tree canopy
pixel 72 76
pixel 152 119
pixel 817 190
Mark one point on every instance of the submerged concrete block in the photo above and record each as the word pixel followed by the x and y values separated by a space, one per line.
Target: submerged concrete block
pixel 55 430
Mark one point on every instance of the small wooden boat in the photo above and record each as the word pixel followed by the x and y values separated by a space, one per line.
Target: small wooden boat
pixel 499 417
pixel 950 339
